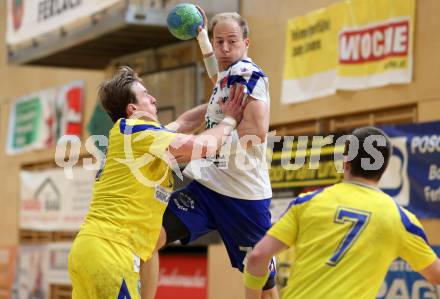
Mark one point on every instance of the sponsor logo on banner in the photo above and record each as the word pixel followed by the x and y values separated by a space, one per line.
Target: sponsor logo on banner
pixel 49 194
pixel 395 181
pixel 374 43
pixel 49 8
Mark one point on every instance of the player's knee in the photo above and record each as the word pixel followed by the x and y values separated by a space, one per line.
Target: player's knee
pixel 162 239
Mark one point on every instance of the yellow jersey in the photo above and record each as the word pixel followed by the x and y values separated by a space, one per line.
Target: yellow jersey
pixel 345 238
pixel 132 187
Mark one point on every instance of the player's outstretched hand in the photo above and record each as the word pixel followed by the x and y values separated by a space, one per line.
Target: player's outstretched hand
pixel 234 106
pixel 205 19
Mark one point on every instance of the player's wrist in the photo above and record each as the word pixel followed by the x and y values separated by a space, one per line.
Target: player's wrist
pixel 229 121
pixel 204 42
pixel 254 282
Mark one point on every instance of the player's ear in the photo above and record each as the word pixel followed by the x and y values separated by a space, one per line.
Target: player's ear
pixel 247 41
pixel 131 108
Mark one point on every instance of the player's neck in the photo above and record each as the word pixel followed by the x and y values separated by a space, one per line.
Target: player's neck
pixel 360 180
pixel 144 116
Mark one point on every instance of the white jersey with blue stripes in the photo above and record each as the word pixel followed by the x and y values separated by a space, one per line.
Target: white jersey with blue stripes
pixel 235 171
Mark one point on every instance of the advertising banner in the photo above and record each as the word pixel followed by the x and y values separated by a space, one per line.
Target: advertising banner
pixel 29 19
pixel 185 275
pixel 350 45
pixel 49 201
pixel 305 163
pixel 39 119
pixel 31 122
pixel 413 175
pixel 31 272
pixel 402 282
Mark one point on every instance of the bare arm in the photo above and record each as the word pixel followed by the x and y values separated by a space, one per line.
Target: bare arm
pixel 432 272
pixel 255 120
pixel 193 147
pixel 259 260
pixel 189 120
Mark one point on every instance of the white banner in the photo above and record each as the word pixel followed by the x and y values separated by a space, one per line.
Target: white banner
pixel 40 266
pixel 31 272
pixel 28 19
pixel 50 201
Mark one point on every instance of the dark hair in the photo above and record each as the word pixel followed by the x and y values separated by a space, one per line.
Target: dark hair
pixel 115 94
pixel 231 16
pixel 377 143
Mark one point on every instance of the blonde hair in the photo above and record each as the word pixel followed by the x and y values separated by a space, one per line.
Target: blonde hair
pixel 231 16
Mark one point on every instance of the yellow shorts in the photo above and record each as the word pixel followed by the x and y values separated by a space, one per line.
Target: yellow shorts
pixel 102 269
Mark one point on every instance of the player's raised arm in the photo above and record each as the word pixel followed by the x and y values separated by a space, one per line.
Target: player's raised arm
pixel 193 147
pixel 189 120
pixel 255 120
pixel 206 48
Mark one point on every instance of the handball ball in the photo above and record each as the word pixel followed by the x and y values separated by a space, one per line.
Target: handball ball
pixel 183 21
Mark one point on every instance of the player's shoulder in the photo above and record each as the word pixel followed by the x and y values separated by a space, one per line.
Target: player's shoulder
pixel 132 126
pixel 245 67
pixel 410 224
pixel 300 202
pixel 406 216
pixel 307 196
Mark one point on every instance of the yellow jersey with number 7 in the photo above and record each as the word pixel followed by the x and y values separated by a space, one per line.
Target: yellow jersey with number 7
pixel 345 238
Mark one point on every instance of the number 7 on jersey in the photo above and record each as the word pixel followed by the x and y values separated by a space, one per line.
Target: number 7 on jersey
pixel 359 220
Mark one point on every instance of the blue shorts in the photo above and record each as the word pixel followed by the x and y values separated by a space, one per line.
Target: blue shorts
pixel 240 223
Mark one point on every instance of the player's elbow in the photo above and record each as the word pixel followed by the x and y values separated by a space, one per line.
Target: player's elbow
pixel 261 134
pixel 255 137
pixel 435 277
pixel 432 272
